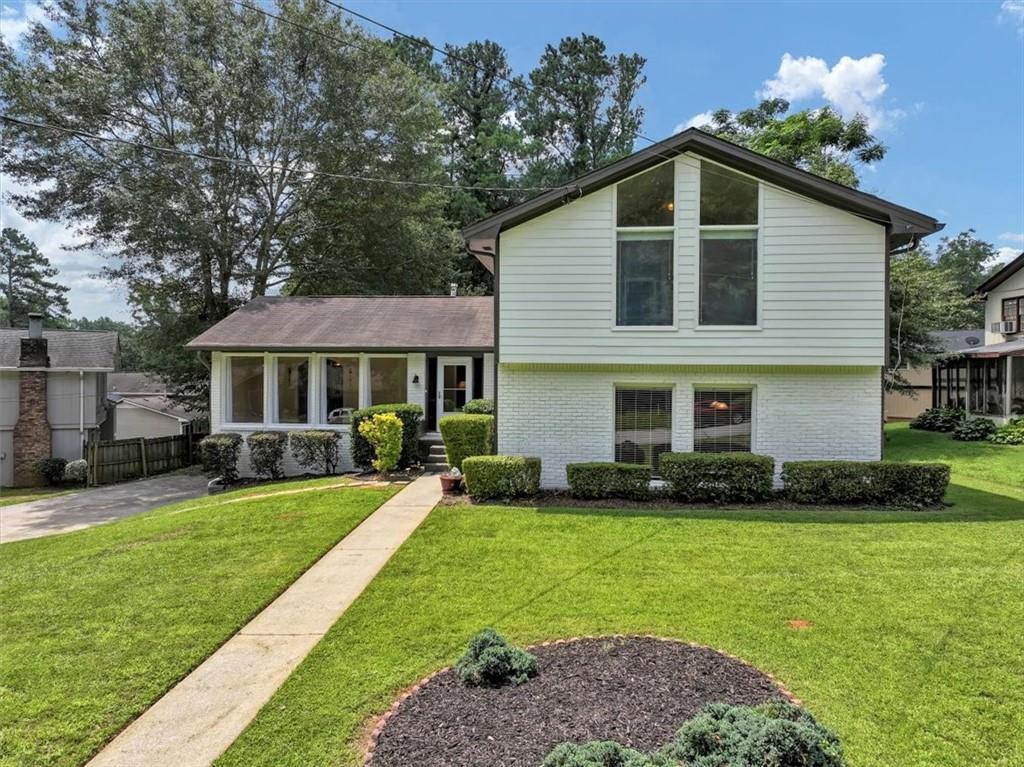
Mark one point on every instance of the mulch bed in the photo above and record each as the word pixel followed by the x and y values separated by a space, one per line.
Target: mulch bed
pixel 635 690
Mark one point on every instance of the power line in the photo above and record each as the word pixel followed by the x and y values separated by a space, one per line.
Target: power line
pixel 268 166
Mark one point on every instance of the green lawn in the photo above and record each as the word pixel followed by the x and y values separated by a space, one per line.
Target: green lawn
pixel 98 624
pixel 11 495
pixel 915 655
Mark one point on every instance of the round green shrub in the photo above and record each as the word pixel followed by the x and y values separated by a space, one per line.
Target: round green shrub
pixel 410 415
pixel 479 407
pixel 266 453
pixel 220 455
pixel 315 450
pixel 77 472
pixel 490 661
pixel 974 430
pixel 50 470
pixel 1010 433
pixel 939 419
pixel 598 753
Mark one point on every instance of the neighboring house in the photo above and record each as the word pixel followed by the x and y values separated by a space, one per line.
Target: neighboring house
pixel 52 385
pixel 303 362
pixel 143 408
pixel 988 380
pixel 905 405
pixel 693 296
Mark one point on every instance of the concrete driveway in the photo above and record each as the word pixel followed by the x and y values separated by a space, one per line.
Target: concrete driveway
pixel 63 513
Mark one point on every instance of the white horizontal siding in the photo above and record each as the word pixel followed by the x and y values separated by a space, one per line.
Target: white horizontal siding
pixel 1011 288
pixel 822 287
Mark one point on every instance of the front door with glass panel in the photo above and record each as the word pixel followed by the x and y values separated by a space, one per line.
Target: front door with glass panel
pixel 454 384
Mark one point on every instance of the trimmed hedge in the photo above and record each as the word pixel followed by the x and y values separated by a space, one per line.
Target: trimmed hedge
pixel 220 455
pixel 501 476
pixel 609 480
pixel 939 419
pixel 315 449
pixel 465 436
pixel 266 453
pixel 479 407
pixel 409 413
pixel 974 430
pixel 718 477
pixel 914 485
pixel 50 470
pixel 490 661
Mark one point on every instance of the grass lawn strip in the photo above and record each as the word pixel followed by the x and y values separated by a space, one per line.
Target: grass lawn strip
pixel 99 623
pixel 906 642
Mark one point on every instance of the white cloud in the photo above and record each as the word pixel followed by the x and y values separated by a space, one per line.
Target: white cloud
pixel 17 20
pixel 1012 12
pixel 851 86
pixel 90 296
pixel 1005 255
pixel 1014 237
pixel 696 121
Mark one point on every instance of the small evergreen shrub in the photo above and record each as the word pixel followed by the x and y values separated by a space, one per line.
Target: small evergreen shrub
pixel 490 661
pixel 465 436
pixel 315 450
pixel 77 472
pixel 479 407
pixel 1010 433
pixel 718 477
pixel 609 480
pixel 220 455
pixel 501 476
pixel 974 430
pixel 914 485
pixel 939 419
pixel 774 734
pixel 598 753
pixel 384 433
pixel 50 470
pixel 410 415
pixel 266 453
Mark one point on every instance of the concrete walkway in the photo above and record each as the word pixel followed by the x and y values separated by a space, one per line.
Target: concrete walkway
pixel 199 718
pixel 73 511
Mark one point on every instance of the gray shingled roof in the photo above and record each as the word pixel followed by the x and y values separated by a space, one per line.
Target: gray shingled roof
pixel 953 341
pixel 355 323
pixel 74 349
pixel 136 383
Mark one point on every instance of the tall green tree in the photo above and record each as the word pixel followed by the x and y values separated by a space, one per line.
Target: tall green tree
pixel 969 261
pixel 28 283
pixel 580 112
pixel 820 141
pixel 923 297
pixel 193 237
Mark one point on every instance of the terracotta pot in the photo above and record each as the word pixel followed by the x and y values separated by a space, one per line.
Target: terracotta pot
pixel 450 484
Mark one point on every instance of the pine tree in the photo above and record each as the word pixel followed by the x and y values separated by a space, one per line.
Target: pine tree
pixel 28 283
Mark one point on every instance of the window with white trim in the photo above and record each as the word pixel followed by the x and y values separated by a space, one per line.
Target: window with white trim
pixel 643 425
pixel 388 380
pixel 644 254
pixel 245 387
pixel 722 420
pixel 292 390
pixel 728 247
pixel 341 388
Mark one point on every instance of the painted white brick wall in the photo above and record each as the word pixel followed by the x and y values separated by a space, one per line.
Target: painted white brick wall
pixel 566 417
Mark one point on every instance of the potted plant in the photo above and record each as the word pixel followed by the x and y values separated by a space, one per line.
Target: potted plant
pixel 451 480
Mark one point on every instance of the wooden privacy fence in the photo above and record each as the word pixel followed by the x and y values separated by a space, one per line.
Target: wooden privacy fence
pixel 116 460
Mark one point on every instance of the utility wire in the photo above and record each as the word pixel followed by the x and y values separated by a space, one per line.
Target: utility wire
pixel 267 166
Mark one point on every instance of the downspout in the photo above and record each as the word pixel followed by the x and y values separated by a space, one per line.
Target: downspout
pixel 81 408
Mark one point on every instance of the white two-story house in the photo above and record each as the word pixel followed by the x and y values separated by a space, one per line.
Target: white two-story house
pixel 692 296
pixel 988 380
pixel 695 296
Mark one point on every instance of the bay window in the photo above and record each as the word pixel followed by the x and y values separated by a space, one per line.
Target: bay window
pixel 644 271
pixel 246 389
pixel 728 248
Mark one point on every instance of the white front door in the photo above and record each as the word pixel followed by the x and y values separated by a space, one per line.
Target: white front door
pixel 454 384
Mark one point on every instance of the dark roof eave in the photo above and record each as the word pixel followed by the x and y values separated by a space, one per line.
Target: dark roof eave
pixel 319 348
pixel 905 223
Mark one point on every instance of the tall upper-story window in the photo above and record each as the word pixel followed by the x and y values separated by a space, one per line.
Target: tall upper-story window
pixel 728 247
pixel 645 217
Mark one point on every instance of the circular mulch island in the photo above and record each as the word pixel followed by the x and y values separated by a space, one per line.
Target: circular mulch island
pixel 634 690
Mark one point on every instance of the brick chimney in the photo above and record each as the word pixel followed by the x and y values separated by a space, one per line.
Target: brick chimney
pixel 32 439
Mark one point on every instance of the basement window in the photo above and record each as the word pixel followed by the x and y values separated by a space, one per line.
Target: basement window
pixel 643 425
pixel 722 420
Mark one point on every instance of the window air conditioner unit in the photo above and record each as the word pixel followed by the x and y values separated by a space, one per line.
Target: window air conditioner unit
pixel 1004 326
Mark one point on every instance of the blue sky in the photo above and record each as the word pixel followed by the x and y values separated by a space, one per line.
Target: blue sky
pixel 943 84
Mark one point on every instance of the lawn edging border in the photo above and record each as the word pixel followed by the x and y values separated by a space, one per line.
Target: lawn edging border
pixel 374 725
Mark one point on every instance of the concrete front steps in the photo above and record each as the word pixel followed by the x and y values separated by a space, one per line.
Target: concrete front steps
pixel 434 457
